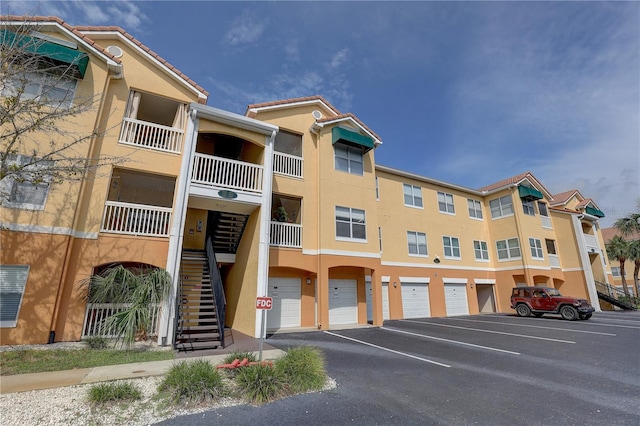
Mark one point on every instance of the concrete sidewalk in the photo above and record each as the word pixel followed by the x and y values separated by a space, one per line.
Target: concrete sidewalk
pixel 234 340
pixel 80 376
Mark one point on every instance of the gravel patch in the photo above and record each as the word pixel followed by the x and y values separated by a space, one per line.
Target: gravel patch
pixel 70 406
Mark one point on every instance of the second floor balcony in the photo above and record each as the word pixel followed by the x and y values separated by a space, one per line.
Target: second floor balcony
pixel 286 235
pixel 212 171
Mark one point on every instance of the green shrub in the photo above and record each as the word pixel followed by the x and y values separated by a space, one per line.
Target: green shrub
pixel 194 382
pixel 113 391
pixel 259 384
pixel 239 354
pixel 97 342
pixel 302 369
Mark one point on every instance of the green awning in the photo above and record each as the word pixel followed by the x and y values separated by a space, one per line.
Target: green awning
pixel 594 212
pixel 338 134
pixel 59 54
pixel 529 194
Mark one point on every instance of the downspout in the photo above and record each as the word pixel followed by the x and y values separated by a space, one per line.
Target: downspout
pixel 262 286
pixel 165 334
pixel 116 75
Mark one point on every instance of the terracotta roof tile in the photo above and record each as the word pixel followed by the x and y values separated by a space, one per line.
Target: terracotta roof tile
pixel 349 115
pixel 563 197
pixel 505 182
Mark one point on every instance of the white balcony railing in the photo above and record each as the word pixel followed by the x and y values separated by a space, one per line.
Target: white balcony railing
pixel 222 172
pixel 546 222
pixel 287 164
pixel 96 315
pixel 151 135
pixel 554 261
pixel 591 242
pixel 136 219
pixel 286 234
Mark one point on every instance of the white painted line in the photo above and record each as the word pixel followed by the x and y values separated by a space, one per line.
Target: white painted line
pixel 533 326
pixel 388 350
pixel 493 332
pixel 609 319
pixel 451 341
pixel 590 322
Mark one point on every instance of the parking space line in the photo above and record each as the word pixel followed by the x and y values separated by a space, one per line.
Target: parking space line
pixel 389 350
pixel 595 322
pixel 493 332
pixel 450 341
pixel 533 326
pixel 609 319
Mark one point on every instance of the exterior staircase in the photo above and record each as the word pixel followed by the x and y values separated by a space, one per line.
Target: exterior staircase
pixel 615 297
pixel 226 231
pixel 198 326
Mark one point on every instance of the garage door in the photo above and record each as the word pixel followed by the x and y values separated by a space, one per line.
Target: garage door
pixel 343 302
pixel 455 296
pixel 415 300
pixel 385 302
pixel 285 311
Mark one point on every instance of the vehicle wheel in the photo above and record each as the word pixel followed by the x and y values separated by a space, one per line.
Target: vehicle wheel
pixel 585 316
pixel 523 310
pixel 569 313
pixel 537 314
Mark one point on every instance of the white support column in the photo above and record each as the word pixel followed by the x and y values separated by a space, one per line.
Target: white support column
pixel 586 263
pixel 265 229
pixel 166 333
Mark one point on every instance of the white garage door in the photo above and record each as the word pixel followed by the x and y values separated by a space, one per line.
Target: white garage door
pixel 385 302
pixel 415 300
pixel 343 302
pixel 285 311
pixel 455 296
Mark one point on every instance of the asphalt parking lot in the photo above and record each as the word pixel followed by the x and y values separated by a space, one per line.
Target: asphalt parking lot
pixel 486 369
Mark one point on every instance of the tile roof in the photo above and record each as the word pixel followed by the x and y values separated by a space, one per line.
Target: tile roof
pixel 609 233
pixel 563 197
pixel 79 31
pixel 348 115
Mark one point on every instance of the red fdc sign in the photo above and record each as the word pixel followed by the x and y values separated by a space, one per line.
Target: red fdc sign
pixel 264 303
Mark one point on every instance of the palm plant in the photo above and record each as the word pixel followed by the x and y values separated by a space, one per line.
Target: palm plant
pixel 618 249
pixel 139 289
pixel 630 227
pixel 634 255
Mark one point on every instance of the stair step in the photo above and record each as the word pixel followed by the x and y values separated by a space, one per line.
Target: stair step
pixel 199 345
pixel 199 336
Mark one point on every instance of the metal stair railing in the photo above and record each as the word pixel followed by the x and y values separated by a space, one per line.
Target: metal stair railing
pixel 218 290
pixel 620 296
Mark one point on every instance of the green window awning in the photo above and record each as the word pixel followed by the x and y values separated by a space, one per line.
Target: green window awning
pixel 594 212
pixel 338 134
pixel 77 60
pixel 529 194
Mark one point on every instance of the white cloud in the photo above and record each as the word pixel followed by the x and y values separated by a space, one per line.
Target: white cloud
pixel 338 59
pixel 245 29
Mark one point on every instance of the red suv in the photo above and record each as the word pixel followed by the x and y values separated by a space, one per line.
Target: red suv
pixel 545 300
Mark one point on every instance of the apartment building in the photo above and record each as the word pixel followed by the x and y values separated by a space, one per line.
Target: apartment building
pixel 286 200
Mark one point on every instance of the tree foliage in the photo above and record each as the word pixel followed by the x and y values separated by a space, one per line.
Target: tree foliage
pixel 40 113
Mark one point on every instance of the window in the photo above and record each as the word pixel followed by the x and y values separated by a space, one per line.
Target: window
pixel 380 238
pixel 288 143
pixel 50 89
pixel 615 271
pixel 528 208
pixel 377 190
pixel 417 242
pixel 501 207
pixel 536 248
pixel 542 208
pixel 445 203
pixel 508 249
pixel 12 281
pixel 475 209
pixel 350 223
pixel 451 247
pixel 348 159
pixel 551 246
pixel 412 195
pixel 481 251
pixel 28 187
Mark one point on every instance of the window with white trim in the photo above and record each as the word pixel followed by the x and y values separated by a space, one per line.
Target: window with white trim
pixel 501 207
pixel 417 242
pixel 348 159
pixel 508 249
pixel 51 89
pixel 536 248
pixel 481 250
pixel 615 271
pixel 475 208
pixel 377 189
pixel 528 208
pixel 542 208
pixel 445 203
pixel 350 224
pixel 551 246
pixel 28 186
pixel 12 281
pixel 380 238
pixel 412 195
pixel 451 247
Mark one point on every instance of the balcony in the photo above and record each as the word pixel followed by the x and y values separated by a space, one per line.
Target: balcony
pixel 286 235
pixel 554 261
pixel 136 219
pixel 154 136
pixel 287 164
pixel 219 172
pixel 591 243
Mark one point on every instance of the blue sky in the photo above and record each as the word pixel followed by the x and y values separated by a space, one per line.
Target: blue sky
pixel 465 92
